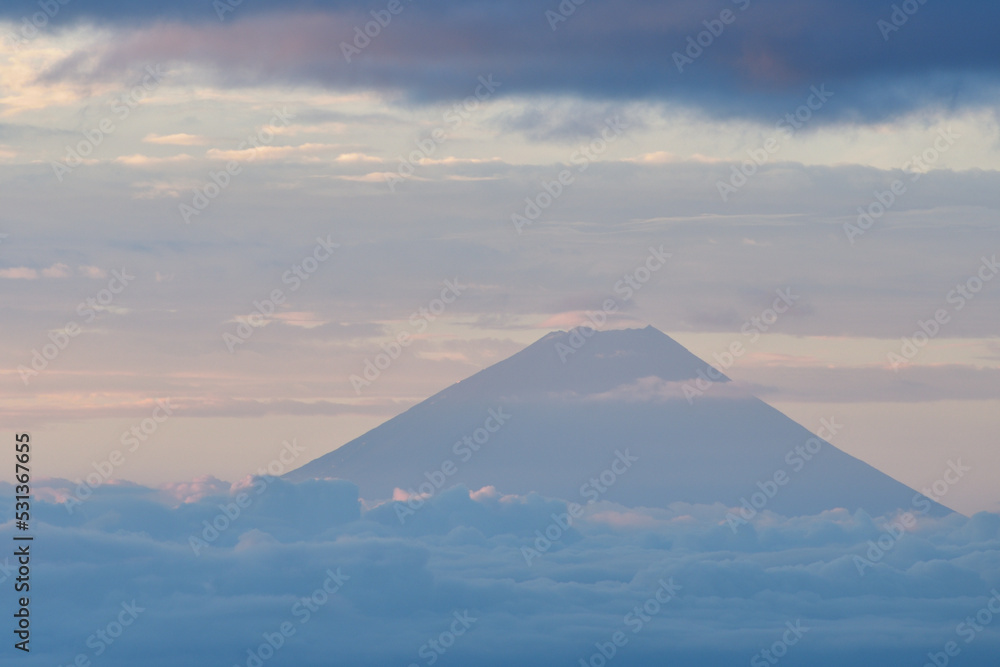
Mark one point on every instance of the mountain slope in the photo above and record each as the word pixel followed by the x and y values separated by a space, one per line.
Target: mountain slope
pixel 571 404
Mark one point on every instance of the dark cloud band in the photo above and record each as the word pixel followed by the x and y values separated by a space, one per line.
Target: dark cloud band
pixel 738 58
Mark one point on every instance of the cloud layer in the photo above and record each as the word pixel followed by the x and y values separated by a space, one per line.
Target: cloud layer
pixel 765 55
pixel 474 565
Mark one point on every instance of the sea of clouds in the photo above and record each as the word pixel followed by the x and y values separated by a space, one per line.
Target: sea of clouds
pixel 267 572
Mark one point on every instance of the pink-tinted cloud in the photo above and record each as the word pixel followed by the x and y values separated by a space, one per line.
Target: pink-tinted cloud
pixel 19 273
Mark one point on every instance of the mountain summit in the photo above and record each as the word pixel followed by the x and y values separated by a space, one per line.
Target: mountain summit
pixel 555 416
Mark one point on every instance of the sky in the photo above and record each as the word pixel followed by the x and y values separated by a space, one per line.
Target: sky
pixel 230 209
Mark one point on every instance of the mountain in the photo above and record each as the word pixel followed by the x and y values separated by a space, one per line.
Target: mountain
pixel 556 416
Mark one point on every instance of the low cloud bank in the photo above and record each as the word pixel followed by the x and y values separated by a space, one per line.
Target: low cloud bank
pixel 271 572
